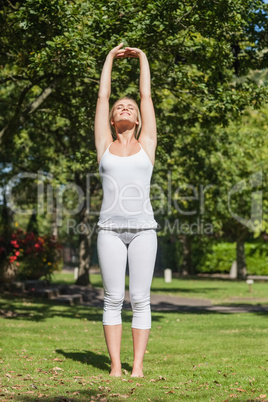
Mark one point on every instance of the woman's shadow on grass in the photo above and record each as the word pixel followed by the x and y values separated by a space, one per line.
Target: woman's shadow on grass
pixel 99 361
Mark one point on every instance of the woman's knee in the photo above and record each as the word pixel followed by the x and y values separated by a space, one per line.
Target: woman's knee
pixel 140 301
pixel 113 301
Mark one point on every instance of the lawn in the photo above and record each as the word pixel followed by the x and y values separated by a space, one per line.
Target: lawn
pixel 218 291
pixel 58 353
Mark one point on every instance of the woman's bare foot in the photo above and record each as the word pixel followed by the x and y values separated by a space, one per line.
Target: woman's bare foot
pixel 137 372
pixel 116 371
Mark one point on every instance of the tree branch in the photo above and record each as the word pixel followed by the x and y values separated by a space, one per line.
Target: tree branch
pixel 14 78
pixel 20 118
pixel 185 15
pixel 11 5
pixel 39 100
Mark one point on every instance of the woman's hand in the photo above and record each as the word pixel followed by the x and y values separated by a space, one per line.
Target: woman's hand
pixel 133 52
pixel 117 51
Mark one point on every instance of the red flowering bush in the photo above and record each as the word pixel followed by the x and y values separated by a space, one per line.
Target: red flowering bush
pixel 10 247
pixel 34 255
pixel 41 256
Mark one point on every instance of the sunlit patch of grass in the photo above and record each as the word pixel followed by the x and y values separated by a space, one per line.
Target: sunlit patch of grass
pixel 51 352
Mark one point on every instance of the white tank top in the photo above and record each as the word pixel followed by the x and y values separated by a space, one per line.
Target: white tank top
pixel 126 191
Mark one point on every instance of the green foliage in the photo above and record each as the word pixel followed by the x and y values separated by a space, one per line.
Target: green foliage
pixel 222 255
pixel 257 259
pixel 202 57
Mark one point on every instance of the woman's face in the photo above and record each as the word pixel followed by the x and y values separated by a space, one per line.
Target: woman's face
pixel 125 110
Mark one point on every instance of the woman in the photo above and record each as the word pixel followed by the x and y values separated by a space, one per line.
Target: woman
pixel 127 229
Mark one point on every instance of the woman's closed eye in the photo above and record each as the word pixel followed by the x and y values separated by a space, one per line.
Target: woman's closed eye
pixel 125 107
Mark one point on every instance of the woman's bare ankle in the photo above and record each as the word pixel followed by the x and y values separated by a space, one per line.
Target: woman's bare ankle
pixel 137 371
pixel 116 370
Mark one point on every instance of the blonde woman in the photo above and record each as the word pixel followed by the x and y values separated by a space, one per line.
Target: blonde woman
pixel 127 228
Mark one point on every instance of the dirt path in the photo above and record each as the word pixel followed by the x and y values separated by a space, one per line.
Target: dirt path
pixel 174 303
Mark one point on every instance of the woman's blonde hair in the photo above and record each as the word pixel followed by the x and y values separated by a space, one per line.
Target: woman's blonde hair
pixel 138 127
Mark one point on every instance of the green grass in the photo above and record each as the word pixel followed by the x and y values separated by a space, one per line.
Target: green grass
pixel 58 353
pixel 218 291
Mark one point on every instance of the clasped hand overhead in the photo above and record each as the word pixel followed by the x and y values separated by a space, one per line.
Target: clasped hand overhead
pixel 119 52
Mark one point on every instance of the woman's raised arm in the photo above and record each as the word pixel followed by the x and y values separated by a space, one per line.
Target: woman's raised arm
pixel 148 135
pixel 103 134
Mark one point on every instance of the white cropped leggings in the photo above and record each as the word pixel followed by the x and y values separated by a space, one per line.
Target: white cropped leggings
pixel 114 248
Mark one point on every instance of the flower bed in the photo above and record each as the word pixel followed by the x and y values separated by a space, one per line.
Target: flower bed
pixel 28 256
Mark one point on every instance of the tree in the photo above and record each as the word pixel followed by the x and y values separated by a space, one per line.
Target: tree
pixel 52 54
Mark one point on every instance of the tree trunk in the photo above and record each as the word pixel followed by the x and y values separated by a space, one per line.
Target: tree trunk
pixel 7 217
pixel 84 251
pixel 33 224
pixel 186 267
pixel 54 226
pixel 240 259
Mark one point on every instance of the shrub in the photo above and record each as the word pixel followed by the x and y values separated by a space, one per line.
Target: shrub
pixel 221 256
pixel 35 256
pixel 41 256
pixel 10 255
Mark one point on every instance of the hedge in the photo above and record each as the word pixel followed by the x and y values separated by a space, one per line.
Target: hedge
pixel 221 256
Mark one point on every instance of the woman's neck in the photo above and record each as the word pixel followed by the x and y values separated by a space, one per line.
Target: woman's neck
pixel 126 137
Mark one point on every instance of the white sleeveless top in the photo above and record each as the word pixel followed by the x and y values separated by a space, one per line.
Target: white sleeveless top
pixel 126 191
